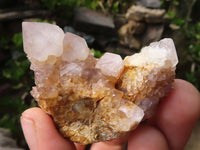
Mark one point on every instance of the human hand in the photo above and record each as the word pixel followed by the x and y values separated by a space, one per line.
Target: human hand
pixel 170 128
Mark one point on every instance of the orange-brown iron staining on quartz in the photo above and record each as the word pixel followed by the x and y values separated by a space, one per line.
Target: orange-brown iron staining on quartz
pixel 89 99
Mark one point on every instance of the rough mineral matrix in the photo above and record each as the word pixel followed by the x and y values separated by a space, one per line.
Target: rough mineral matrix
pixel 92 99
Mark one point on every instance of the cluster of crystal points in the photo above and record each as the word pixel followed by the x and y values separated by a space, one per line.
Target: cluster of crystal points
pixel 91 99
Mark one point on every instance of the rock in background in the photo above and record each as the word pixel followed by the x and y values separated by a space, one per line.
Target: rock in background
pixel 145 24
pixel 6 141
pixel 142 24
pixel 91 21
pixel 96 24
pixel 149 3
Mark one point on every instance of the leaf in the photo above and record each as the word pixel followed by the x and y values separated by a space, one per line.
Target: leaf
pixel 45 21
pixel 15 70
pixel 171 15
pixel 18 41
pixel 176 3
pixel 96 53
pixel 198 36
pixel 198 26
pixel 115 7
pixel 18 86
pixel 178 22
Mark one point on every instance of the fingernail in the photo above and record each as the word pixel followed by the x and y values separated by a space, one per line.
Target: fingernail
pixel 29 130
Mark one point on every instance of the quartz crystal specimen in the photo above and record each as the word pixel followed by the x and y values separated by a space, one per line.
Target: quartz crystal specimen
pixel 89 99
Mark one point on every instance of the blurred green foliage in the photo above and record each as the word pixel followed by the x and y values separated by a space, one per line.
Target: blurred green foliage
pixel 191 31
pixel 107 6
pixel 193 47
pixel 15 72
pixel 15 68
pixel 56 4
pixel 171 7
pixel 178 21
pixel 169 3
pixel 96 53
pixel 44 21
pixel 15 107
pixel 16 81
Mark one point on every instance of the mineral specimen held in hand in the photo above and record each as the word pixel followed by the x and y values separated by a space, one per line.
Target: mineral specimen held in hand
pixel 91 99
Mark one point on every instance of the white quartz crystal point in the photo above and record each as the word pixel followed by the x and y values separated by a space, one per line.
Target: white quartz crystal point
pixel 74 48
pixel 110 64
pixel 134 116
pixel 162 53
pixel 42 40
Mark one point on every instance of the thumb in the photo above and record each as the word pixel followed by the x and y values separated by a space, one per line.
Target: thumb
pixel 41 133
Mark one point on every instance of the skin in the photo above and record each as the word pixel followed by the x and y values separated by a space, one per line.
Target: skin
pixel 168 129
